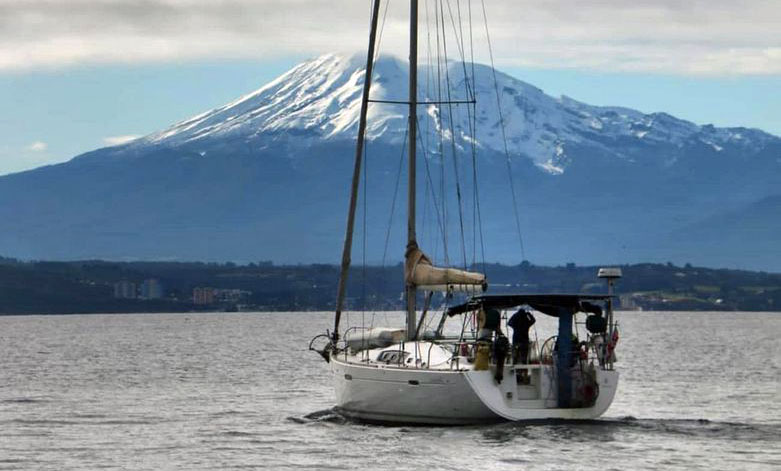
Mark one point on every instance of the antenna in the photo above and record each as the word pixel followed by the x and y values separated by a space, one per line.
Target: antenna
pixel 611 275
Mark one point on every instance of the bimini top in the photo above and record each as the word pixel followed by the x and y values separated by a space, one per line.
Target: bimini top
pixel 549 304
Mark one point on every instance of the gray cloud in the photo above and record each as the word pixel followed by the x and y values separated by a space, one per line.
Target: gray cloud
pixel 670 36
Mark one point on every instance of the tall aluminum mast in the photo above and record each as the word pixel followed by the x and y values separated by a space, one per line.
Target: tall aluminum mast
pixel 413 104
pixel 348 238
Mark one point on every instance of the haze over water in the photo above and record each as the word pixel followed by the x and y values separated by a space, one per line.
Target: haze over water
pixel 230 391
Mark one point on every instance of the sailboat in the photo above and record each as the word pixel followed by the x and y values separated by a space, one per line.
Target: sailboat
pixel 412 375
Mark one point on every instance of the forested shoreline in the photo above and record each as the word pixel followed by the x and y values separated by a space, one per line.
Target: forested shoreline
pixel 41 287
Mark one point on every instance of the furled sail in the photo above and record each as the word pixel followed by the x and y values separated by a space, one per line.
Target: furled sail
pixel 419 271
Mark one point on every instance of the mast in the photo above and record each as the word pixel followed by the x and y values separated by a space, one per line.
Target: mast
pixel 413 104
pixel 348 238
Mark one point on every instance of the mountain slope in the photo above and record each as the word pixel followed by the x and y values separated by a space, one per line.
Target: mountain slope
pixel 320 99
pixel 750 232
pixel 266 177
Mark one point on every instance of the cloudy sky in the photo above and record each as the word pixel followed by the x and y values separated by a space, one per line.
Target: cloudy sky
pixel 80 74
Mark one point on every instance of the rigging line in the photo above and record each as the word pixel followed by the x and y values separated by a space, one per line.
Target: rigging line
pixel 432 235
pixel 459 35
pixel 430 180
pixel 470 120
pixel 468 85
pixel 477 207
pixel 382 28
pixel 366 290
pixel 390 218
pixel 472 51
pixel 376 54
pixel 440 140
pixel 463 327
pixel 471 94
pixel 365 229
pixel 453 25
pixel 474 193
pixel 504 132
pixel 453 145
pixel 427 93
pixel 461 29
pixel 474 136
pixel 427 122
pixel 431 318
pixel 427 234
pixel 356 176
pixel 427 76
pixel 393 203
pixel 432 123
pixel 438 123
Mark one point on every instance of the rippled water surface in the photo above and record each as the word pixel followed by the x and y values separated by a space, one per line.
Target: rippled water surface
pixel 230 391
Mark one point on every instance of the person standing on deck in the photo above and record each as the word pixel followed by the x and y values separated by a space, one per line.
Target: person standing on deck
pixel 521 322
pixel 490 321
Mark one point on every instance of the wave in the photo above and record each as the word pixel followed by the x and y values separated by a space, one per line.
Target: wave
pixel 618 428
pixel 330 416
pixel 23 400
pixel 705 428
pixel 575 429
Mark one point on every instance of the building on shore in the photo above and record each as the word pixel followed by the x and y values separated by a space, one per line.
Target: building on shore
pixel 629 302
pixel 226 297
pixel 203 296
pixel 125 290
pixel 232 296
pixel 152 289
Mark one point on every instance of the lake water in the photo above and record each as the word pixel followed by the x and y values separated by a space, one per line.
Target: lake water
pixel 240 391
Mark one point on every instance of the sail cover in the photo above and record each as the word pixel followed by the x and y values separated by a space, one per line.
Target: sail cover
pixel 419 271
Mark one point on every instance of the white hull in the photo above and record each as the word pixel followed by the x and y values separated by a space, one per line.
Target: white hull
pixel 388 394
pixel 399 394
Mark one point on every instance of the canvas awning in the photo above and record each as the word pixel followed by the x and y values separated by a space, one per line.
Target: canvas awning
pixel 549 304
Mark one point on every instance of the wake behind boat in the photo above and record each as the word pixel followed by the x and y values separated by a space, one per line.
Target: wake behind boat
pixel 465 370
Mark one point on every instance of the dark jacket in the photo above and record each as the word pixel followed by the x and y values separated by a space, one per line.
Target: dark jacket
pixel 520 322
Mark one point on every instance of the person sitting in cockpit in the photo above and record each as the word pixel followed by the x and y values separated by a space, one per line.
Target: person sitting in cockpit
pixel 488 322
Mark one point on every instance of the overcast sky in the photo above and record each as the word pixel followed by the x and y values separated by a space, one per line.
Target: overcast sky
pixel 735 44
pixel 676 36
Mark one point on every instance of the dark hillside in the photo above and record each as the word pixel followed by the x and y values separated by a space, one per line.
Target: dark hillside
pixel 91 286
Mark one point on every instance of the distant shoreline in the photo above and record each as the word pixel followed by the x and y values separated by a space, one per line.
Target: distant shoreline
pixel 105 287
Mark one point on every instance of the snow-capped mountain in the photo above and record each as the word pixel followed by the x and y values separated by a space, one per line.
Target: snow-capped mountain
pixel 320 97
pixel 320 100
pixel 266 177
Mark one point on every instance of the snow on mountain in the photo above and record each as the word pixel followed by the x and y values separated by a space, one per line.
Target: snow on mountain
pixel 322 96
pixel 320 99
